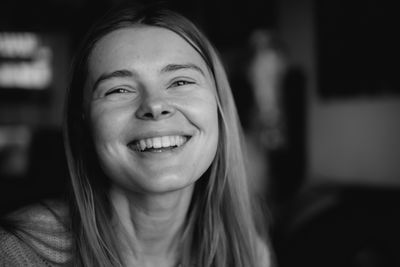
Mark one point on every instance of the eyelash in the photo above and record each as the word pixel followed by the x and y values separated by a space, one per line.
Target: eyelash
pixel 117 90
pixel 179 83
pixel 123 90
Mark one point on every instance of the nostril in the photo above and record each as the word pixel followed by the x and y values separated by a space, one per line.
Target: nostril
pixel 148 115
pixel 155 114
pixel 154 110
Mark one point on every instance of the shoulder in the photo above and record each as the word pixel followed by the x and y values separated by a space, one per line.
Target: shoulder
pixel 14 252
pixel 39 231
pixel 49 213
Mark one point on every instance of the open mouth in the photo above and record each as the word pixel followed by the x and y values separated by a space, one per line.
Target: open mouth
pixel 159 144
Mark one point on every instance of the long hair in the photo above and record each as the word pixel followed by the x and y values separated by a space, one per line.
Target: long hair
pixel 220 230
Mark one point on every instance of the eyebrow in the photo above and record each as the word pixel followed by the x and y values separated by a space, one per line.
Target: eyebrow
pixel 114 74
pixel 127 73
pixel 175 67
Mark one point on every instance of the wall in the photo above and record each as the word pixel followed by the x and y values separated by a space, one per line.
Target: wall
pixel 348 141
pixel 356 141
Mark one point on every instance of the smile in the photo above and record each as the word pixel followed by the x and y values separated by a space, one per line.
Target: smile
pixel 159 144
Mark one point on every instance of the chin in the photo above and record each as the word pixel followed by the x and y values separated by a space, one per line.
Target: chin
pixel 157 184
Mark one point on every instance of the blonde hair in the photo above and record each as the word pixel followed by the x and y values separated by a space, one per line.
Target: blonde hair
pixel 220 229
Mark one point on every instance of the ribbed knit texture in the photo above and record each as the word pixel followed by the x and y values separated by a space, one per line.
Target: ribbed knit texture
pixel 39 237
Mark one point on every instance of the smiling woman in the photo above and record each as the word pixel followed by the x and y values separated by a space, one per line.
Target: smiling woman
pixel 154 151
pixel 168 95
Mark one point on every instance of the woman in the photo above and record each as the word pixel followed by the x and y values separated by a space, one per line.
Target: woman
pixel 153 147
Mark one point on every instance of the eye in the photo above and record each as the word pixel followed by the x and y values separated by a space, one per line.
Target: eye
pixel 181 83
pixel 119 90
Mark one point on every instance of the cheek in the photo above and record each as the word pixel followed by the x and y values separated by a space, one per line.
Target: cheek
pixel 100 125
pixel 106 123
pixel 106 126
pixel 205 115
pixel 208 114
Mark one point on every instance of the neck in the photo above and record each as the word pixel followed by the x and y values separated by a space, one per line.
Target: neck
pixel 151 225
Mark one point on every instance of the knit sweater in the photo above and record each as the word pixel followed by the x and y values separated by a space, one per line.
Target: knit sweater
pixel 38 236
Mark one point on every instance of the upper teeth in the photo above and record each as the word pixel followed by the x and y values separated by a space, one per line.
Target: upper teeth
pixel 159 142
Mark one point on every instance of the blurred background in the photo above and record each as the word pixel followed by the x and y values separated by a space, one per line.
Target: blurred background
pixel 318 95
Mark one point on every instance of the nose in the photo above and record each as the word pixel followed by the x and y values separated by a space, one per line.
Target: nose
pixel 154 108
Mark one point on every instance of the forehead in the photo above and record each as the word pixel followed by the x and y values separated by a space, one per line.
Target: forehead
pixel 138 45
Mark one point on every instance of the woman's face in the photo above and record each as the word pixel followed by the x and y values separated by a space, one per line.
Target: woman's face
pixel 153 111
